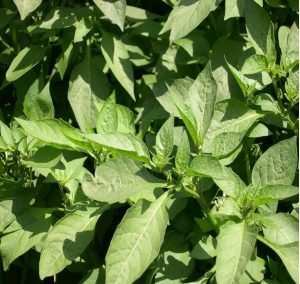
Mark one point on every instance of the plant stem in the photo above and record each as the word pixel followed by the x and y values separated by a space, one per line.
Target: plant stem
pixel 247 161
pixel 204 206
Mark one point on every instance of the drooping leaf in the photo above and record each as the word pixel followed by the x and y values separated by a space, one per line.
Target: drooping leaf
pixel 68 239
pixel 235 245
pixel 117 58
pixel 25 7
pixel 113 10
pixel 125 144
pixel 142 229
pixel 118 179
pixel 277 165
pixel 23 233
pixel 25 60
pixel 193 11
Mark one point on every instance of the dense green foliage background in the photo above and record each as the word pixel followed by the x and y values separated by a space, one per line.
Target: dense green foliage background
pixel 149 141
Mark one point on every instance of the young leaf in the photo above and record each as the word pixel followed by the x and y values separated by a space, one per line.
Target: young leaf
pixel 107 120
pixel 113 10
pixel 125 144
pixel 182 158
pixel 164 142
pixel 235 245
pixel 117 58
pixel 24 233
pixel 193 11
pixel 26 59
pixel 68 239
pixel 255 64
pixel 25 7
pixel 277 165
pixel 142 230
pixel 118 179
pixel 260 31
pixel 229 116
pixel 38 103
pixel 207 165
pixel 88 86
pixel 269 193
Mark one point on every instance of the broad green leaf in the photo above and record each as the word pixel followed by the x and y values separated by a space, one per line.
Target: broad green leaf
pixel 269 193
pixel 38 102
pixel 7 136
pixel 229 116
pixel 64 59
pixel 68 239
pixel 95 276
pixel 260 31
pixel 107 120
pixel 141 230
pixel 280 228
pixel 207 165
pixel 226 142
pixel 88 87
pixel 175 263
pixel 205 248
pixel 182 158
pixel 25 7
pixel 277 165
pixel 117 58
pixel 125 120
pixel 138 14
pixel 26 59
pixel 170 92
pixel 231 185
pixel 56 133
pixel 45 157
pixel 114 10
pixel 289 255
pixel 236 8
pixel 164 142
pixel 193 11
pixel 255 64
pixel 24 233
pixel 259 130
pixel 255 271
pixel 118 179
pixel 235 246
pixel 125 144
pixel 201 101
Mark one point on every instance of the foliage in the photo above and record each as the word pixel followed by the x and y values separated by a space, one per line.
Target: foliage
pixel 149 141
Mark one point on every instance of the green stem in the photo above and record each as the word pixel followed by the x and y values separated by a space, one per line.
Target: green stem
pixel 204 206
pixel 247 161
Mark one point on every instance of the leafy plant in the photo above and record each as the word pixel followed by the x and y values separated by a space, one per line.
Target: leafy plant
pixel 150 142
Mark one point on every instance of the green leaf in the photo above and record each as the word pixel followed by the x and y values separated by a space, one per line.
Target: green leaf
pixel 68 239
pixel 26 59
pixel 38 102
pixel 64 59
pixel 193 11
pixel 207 165
pixel 280 228
pixel 56 133
pixel 24 233
pixel 236 8
pixel 125 144
pixel 182 158
pixel 277 165
pixel 25 7
pixel 229 116
pixel 7 135
pixel 141 230
pixel 107 120
pixel 255 271
pixel 292 86
pixel 45 157
pixel 117 58
pixel 255 64
pixel 226 142
pixel 164 142
pixel 118 179
pixel 260 31
pixel 235 246
pixel 113 10
pixel 269 193
pixel 125 120
pixel 205 248
pixel 88 87
pixel 289 255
